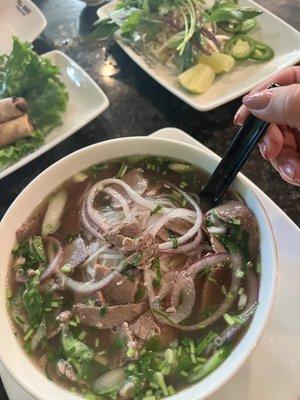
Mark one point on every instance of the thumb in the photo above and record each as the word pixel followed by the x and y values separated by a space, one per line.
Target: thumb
pixel 279 105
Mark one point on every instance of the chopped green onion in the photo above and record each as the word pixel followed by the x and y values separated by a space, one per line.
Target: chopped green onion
pixel 149 398
pixel 258 268
pixel 54 304
pixel 169 356
pixel 171 390
pixel 130 352
pixel 183 373
pixel 19 320
pixel 230 321
pixel 153 385
pixel 97 342
pixel 149 392
pixel 211 364
pixel 183 185
pixel 179 351
pixel 156 209
pixel 122 171
pixel 205 342
pixel 193 358
pixel 8 293
pixel 166 370
pixel 66 268
pixel 184 202
pixel 103 311
pixel 239 273
pixel 77 319
pixel 237 221
pixel 28 335
pixel 82 335
pixel 73 323
pixel 174 241
pixel 161 382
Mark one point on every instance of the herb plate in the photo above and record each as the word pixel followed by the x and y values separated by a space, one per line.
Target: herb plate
pixel 21 18
pixel 86 101
pixel 243 77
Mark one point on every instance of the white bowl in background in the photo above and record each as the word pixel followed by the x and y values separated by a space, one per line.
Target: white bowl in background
pixel 21 18
pixel 11 354
pixel 86 101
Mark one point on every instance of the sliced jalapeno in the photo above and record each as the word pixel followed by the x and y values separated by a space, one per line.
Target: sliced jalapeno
pixel 248 25
pixel 240 47
pixel 261 52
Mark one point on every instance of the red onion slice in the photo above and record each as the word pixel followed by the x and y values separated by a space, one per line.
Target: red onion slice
pixel 91 286
pixel 207 262
pixel 54 259
pixel 91 212
pixel 186 248
pixel 237 262
pixel 184 287
pixel 150 205
pixel 87 225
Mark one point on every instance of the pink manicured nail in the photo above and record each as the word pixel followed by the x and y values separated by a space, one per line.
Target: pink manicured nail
pixel 263 149
pixel 257 101
pixel 287 170
pixel 237 117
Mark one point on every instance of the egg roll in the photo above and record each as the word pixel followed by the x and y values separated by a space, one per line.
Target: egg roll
pixel 14 130
pixel 11 108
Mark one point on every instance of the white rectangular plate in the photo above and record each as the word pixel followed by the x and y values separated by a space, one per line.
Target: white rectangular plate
pixel 244 76
pixel 86 101
pixel 272 372
pixel 20 18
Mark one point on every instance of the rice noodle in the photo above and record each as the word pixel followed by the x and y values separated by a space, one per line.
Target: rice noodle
pixel 207 262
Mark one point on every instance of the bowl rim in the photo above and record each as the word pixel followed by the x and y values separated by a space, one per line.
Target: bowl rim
pixel 252 340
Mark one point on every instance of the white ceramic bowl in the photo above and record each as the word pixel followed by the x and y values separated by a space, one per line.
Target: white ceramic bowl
pixel 11 354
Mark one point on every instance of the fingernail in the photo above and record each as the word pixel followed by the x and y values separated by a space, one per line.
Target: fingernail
pixel 237 117
pixel 263 149
pixel 287 170
pixel 257 101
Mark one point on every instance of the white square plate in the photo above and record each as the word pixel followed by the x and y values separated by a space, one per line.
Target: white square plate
pixel 86 101
pixel 20 18
pixel 244 76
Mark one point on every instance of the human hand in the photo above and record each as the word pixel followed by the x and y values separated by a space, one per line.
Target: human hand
pixel 281 107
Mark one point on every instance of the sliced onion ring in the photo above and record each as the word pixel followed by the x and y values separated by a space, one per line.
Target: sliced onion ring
pixel 55 260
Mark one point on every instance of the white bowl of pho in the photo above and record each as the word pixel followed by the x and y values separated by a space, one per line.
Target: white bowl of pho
pixel 117 283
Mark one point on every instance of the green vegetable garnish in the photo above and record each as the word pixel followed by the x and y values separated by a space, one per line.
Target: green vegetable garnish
pixel 24 73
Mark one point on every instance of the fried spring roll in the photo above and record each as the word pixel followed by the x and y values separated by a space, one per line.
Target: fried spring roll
pixel 14 130
pixel 11 108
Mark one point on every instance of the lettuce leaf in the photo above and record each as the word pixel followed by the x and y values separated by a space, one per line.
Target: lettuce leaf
pixel 23 73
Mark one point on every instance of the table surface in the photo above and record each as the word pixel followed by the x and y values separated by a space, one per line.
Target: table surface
pixel 138 104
